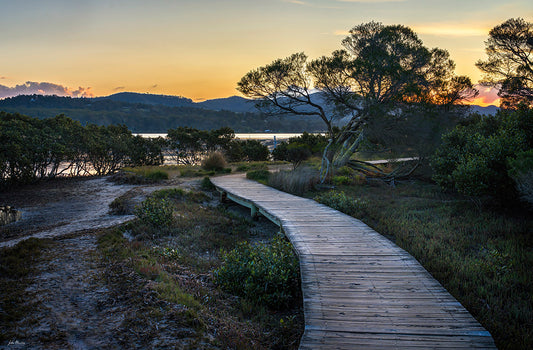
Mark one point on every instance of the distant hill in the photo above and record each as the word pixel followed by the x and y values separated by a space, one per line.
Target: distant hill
pixel 149 99
pixel 489 110
pixel 153 117
pixel 158 113
pixel 233 103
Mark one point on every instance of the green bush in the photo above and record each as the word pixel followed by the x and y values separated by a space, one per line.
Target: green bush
pixel 521 171
pixel 154 211
pixel 300 148
pixel 156 175
pixel 214 161
pixel 473 158
pixel 207 185
pixel 341 180
pixel 258 175
pixel 265 273
pixel 341 202
pixel 254 150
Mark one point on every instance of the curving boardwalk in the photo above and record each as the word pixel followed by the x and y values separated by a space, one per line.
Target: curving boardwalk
pixel 360 290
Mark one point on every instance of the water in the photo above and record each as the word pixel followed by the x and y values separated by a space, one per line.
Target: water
pixel 241 136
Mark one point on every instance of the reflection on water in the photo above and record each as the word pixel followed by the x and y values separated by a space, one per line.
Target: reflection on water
pixel 242 136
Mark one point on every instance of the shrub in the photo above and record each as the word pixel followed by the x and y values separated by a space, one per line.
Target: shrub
pixel 521 171
pixel 156 175
pixel 297 181
pixel 258 175
pixel 473 158
pixel 300 148
pixel 254 150
pixel 214 161
pixel 154 211
pixel 341 180
pixel 207 185
pixel 120 206
pixel 264 273
pixel 341 202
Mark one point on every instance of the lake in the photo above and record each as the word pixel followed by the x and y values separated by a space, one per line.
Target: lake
pixel 242 136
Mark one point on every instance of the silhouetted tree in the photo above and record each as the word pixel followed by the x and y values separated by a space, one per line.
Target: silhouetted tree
pixel 382 72
pixel 509 65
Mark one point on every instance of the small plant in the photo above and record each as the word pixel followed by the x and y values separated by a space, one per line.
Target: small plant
pixel 207 185
pixel 341 180
pixel 265 274
pixel 156 175
pixel 119 206
pixel 156 212
pixel 341 202
pixel 214 162
pixel 258 175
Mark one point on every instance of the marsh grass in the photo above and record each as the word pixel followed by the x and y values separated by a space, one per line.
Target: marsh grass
pixel 299 181
pixel 177 264
pixel 483 257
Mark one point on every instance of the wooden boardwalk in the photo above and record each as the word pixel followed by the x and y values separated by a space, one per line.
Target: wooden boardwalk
pixel 360 290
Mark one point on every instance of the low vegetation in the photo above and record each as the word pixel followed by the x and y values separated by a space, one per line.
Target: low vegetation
pixel 17 266
pixel 265 273
pixel 482 256
pixel 177 255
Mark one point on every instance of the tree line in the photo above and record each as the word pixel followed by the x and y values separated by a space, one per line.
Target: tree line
pixel 33 149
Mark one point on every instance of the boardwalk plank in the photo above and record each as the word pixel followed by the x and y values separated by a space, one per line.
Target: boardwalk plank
pixel 360 290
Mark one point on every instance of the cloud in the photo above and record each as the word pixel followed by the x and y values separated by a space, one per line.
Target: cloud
pixel 450 30
pixel 305 3
pixel 487 96
pixel 342 32
pixel 119 88
pixel 43 88
pixel 371 1
pixel 2 77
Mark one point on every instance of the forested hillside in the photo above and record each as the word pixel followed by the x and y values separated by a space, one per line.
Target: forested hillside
pixel 140 117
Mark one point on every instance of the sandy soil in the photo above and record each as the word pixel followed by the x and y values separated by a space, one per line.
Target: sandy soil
pixel 75 308
pixel 60 207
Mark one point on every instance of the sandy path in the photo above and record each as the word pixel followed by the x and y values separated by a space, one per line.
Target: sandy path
pixel 58 208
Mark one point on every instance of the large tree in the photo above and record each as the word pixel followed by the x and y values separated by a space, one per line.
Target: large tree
pixel 381 73
pixel 509 65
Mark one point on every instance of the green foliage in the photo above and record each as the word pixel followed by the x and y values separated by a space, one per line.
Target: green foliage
pixel 214 161
pixel 300 148
pixel 521 171
pixel 264 273
pixel 207 185
pixel 341 180
pixel 254 151
pixel 261 175
pixel 482 256
pixel 32 149
pixel 156 212
pixel 342 202
pixel 473 158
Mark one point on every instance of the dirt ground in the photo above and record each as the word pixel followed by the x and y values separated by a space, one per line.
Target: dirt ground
pixel 72 298
pixel 75 308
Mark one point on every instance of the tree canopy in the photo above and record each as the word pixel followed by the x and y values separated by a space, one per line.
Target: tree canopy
pixel 509 65
pixel 381 72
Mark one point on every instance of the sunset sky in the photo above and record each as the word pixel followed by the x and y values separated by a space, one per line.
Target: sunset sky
pixel 201 48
